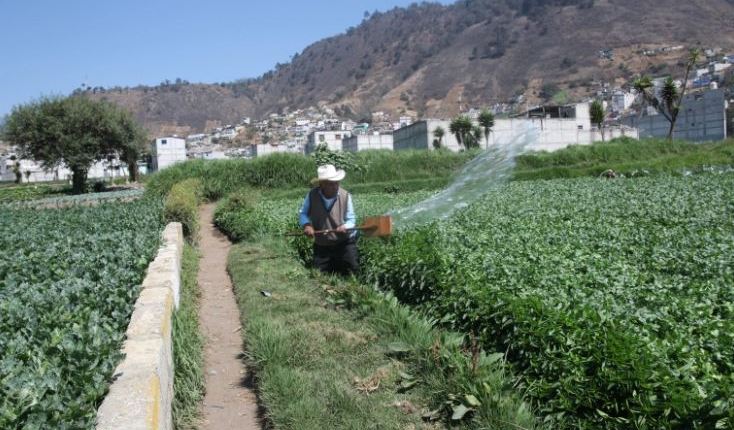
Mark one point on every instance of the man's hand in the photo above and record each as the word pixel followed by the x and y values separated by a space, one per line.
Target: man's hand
pixel 341 229
pixel 308 230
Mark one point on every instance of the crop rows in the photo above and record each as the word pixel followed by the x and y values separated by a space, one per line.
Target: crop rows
pixel 80 199
pixel 68 282
pixel 613 300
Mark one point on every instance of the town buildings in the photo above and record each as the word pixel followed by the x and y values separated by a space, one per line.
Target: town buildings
pixel 332 140
pixel 556 127
pixel 32 171
pixel 168 151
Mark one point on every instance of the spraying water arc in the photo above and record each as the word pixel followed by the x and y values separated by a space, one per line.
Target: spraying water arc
pixel 490 169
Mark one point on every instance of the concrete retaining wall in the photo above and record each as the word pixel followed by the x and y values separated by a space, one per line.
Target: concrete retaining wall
pixel 141 396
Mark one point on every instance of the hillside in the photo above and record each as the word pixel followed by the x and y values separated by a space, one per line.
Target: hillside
pixel 430 59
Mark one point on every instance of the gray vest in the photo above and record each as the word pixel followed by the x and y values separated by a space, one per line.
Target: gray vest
pixel 321 219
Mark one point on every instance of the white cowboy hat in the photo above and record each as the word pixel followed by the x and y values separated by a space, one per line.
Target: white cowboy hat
pixel 328 172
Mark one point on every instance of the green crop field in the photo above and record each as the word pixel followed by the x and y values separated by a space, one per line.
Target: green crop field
pixel 16 193
pixel 80 199
pixel 612 300
pixel 68 282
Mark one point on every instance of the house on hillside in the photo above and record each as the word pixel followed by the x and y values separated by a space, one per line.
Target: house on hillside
pixel 168 151
pixel 621 100
pixel 228 133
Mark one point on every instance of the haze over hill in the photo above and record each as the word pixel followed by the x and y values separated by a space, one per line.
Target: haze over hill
pixel 430 60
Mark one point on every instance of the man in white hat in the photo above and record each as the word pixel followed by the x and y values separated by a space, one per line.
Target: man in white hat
pixel 327 215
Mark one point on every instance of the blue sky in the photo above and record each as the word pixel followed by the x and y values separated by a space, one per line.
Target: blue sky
pixel 51 47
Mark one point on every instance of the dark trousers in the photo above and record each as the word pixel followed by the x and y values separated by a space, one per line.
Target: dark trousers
pixel 342 258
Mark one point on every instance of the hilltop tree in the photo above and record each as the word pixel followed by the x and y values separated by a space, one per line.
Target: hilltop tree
pixel 597 116
pixel 669 99
pixel 75 132
pixel 438 133
pixel 461 127
pixel 486 120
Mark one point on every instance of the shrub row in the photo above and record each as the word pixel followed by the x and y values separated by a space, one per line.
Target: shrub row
pixel 221 177
pixel 182 205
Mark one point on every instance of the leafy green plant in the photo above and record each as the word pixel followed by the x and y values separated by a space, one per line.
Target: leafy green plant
pixel 340 159
pixel 69 280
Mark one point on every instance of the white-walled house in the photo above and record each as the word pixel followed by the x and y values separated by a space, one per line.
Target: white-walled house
pixel 168 151
pixel 332 140
pixel 622 100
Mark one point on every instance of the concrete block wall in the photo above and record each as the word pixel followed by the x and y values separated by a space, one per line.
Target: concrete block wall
pixel 140 398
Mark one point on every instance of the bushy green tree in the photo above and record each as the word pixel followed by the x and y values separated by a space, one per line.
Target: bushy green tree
pixel 75 132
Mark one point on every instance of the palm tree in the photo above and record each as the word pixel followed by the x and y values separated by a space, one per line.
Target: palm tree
pixel 597 116
pixel 474 137
pixel 461 127
pixel 670 98
pixel 486 120
pixel 438 133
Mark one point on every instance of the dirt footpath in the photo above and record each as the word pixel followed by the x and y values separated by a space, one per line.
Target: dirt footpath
pixel 230 401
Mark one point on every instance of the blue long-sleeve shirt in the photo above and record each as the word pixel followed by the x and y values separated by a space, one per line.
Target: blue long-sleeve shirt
pixel 349 222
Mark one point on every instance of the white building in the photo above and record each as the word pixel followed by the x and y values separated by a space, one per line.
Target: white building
pixel 32 171
pixel 622 100
pixel 557 127
pixel 227 133
pixel 348 125
pixel 332 140
pixel 198 139
pixel 718 67
pixel 168 151
pixel 263 149
pixel 363 142
pixel 209 155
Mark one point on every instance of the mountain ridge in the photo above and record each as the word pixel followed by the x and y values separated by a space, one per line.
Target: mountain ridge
pixel 433 60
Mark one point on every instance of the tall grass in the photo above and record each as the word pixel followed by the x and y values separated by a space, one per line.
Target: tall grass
pixel 188 348
pixel 182 205
pixel 627 156
pixel 329 353
pixel 220 177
